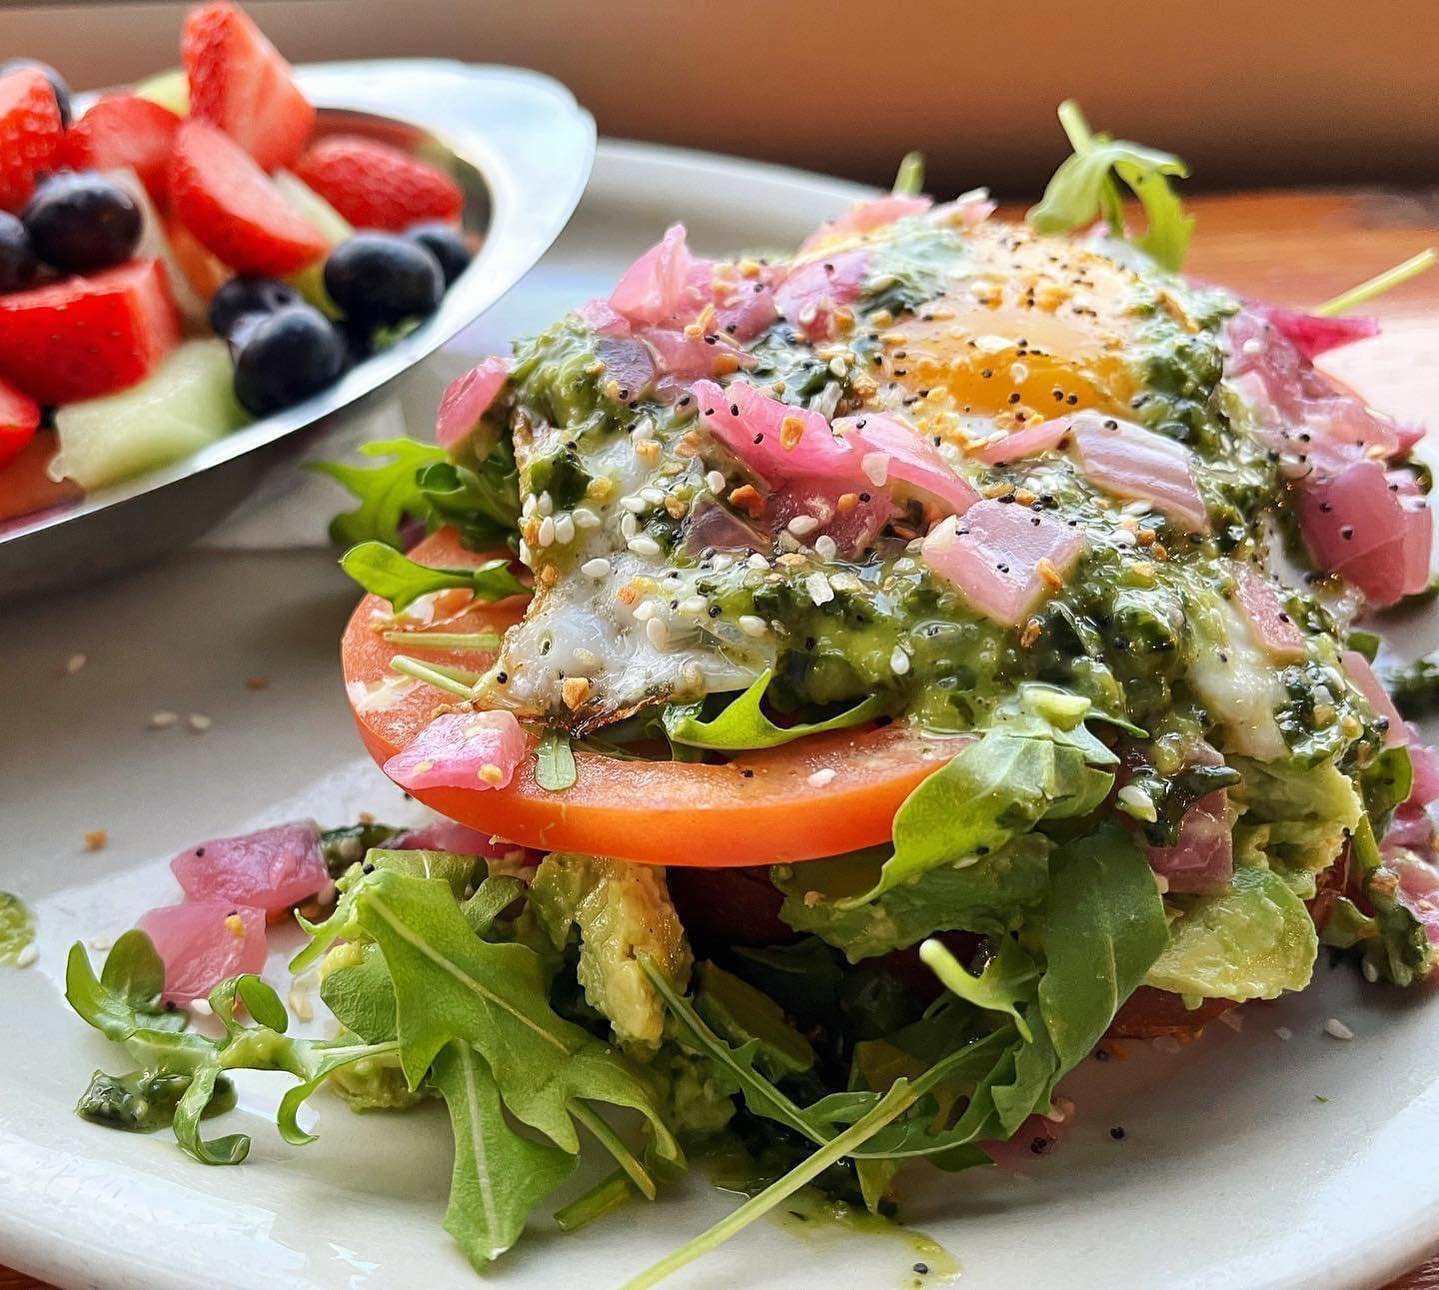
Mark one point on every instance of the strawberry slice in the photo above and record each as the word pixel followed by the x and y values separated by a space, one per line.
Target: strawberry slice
pixel 375 186
pixel 30 134
pixel 84 337
pixel 233 208
pixel 124 130
pixel 19 419
pixel 239 82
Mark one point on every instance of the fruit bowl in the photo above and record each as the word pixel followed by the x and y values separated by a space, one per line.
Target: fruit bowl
pixel 519 146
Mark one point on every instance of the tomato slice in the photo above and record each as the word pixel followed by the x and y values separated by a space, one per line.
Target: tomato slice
pixel 774 805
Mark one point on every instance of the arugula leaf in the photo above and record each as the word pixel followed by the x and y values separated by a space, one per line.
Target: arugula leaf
pixel 1001 987
pixel 1402 952
pixel 991 896
pixel 387 492
pixel 555 761
pixel 1104 927
pixel 451 985
pixel 126 996
pixel 482 501
pixel 499 1175
pixel 742 724
pixel 1037 762
pixel 740 1012
pixel 1084 186
pixel 385 572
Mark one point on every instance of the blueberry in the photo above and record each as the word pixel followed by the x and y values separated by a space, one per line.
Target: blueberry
pixel 447 244
pixel 17 256
pixel 81 222
pixel 246 295
pixel 57 82
pixel 287 356
pixel 382 278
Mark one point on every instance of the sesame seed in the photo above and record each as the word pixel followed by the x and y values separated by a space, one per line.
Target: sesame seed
pixel 199 722
pixel 547 531
pixel 898 661
pixel 629 526
pixel 526 555
pixel 27 957
pixel 644 611
pixel 654 496
pixel 822 777
pixel 825 547
pixel 564 530
pixel 546 504
pixel 693 605
pixel 162 720
pixel 1253 346
pixel 599 567
pixel 1284 1033
pixel 644 545
pixel 722 562
pixel 819 589
pixel 1337 1029
pixel 1371 973
pixel 1140 805
pixel 876 467
pixel 757 561
pixel 1166 1044
pixel 657 633
pixel 802 525
pixel 715 481
pixel 201 1008
pixel 838 367
pixel 74 663
pixel 752 625
pixel 635 505
pixel 300 1006
pixel 585 518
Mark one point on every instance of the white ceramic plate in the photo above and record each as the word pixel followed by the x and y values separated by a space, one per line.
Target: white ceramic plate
pixel 1247 1161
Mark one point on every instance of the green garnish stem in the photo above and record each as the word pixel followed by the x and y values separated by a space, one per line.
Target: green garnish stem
pixel 1379 284
pixel 450 679
pixel 609 1194
pixel 610 1140
pixel 444 640
pixel 893 1104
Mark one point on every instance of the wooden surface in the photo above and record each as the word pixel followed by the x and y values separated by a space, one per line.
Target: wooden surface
pixel 1299 250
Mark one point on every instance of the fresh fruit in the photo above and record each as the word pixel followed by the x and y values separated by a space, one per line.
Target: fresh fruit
pixel 58 84
pixel 19 419
pixel 376 186
pixel 245 297
pixel 30 134
pixel 170 89
pixel 125 130
pixel 239 82
pixel 310 281
pixel 205 274
pixel 154 244
pixel 81 223
pixel 186 403
pixel 17 256
pixel 85 337
pixel 27 487
pixel 290 355
pixel 381 278
pixel 447 244
pixel 234 209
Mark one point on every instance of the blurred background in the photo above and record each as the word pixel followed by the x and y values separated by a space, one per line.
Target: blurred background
pixel 1249 92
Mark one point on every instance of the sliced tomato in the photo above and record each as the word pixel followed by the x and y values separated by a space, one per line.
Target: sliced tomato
pixel 762 808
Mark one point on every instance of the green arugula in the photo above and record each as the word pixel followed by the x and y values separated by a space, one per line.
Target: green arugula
pixel 1086 185
pixel 1001 986
pixel 385 572
pixel 909 178
pixel 418 481
pixel 387 492
pixel 742 723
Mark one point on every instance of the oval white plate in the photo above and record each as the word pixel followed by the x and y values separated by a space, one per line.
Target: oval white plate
pixel 1247 1160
